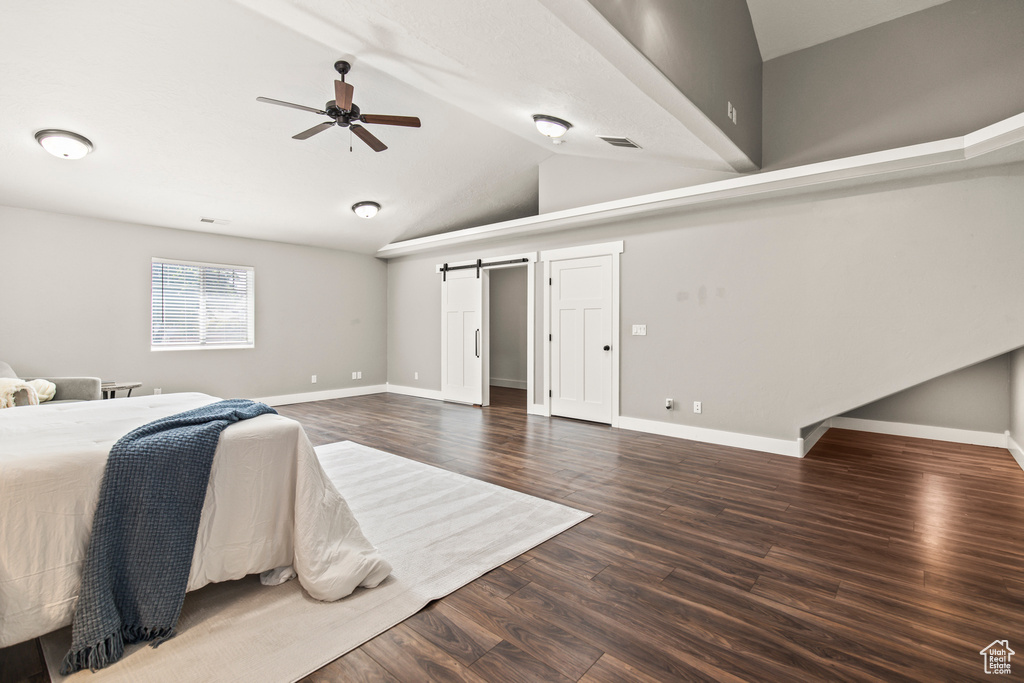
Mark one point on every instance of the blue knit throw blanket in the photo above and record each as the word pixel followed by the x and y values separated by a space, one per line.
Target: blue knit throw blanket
pixel 144 532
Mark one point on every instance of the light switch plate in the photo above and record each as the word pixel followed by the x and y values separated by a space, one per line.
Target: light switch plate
pixel 639 330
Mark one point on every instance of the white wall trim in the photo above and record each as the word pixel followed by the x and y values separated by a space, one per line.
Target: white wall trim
pixel 765 444
pixel 418 392
pixel 326 395
pixel 967 436
pixel 583 251
pixel 1015 450
pixel 531 330
pixel 912 159
pixel 510 384
pixel 807 444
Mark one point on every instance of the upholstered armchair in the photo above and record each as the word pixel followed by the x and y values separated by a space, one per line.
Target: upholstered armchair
pixel 68 388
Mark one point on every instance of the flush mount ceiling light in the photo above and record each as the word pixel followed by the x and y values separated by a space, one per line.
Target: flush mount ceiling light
pixel 63 143
pixel 366 209
pixel 551 126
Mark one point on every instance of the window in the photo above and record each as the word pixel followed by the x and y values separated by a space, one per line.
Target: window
pixel 201 306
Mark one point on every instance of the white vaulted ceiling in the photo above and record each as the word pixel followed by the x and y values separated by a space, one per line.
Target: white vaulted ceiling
pixel 167 93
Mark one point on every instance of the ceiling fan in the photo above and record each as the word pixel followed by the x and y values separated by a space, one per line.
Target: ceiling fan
pixel 345 114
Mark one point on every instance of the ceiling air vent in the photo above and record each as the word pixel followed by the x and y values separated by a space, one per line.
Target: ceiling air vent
pixel 619 142
pixel 216 221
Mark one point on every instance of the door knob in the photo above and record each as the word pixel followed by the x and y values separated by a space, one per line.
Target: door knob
pixel 607 348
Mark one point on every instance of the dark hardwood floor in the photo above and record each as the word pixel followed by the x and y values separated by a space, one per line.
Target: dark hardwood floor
pixel 873 558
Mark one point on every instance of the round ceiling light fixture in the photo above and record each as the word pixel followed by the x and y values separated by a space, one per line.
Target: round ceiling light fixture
pixel 366 209
pixel 551 126
pixel 64 144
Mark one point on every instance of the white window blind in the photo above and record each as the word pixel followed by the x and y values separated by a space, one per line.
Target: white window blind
pixel 201 305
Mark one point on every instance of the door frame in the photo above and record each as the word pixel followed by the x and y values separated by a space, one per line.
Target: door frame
pixel 613 249
pixel 531 297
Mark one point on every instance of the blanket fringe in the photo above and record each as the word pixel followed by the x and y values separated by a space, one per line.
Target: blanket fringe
pixel 142 634
pixel 93 657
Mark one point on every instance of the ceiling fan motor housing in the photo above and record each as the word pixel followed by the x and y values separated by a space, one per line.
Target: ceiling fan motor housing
pixel 341 116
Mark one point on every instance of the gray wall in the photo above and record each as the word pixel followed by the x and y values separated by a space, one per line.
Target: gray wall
pixel 1017 396
pixel 975 398
pixel 709 52
pixel 780 313
pixel 940 73
pixel 77 301
pixel 508 327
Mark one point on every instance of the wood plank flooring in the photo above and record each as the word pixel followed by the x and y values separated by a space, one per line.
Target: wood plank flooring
pixel 874 558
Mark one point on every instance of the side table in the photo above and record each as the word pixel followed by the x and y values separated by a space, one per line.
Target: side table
pixel 108 388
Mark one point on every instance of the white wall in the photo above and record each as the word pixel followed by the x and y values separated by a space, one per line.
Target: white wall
pixel 508 327
pixel 77 295
pixel 780 313
pixel 1017 400
pixel 566 182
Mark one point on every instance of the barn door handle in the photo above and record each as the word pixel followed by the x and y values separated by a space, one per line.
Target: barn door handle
pixel 607 347
pixel 478 343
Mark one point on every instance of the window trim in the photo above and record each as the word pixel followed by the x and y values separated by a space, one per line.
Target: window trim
pixel 250 312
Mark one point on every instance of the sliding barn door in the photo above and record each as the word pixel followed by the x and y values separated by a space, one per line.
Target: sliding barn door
pixel 464 370
pixel 581 327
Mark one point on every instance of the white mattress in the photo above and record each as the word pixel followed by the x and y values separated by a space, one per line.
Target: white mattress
pixel 268 504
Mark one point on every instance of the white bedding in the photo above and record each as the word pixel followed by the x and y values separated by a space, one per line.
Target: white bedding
pixel 268 504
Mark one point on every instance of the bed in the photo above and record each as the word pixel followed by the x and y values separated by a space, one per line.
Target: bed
pixel 268 505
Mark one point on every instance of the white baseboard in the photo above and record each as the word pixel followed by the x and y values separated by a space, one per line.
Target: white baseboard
pixel 807 444
pixel 758 443
pixel 508 383
pixel 538 409
pixel 1015 450
pixel 418 392
pixel 307 397
pixel 967 436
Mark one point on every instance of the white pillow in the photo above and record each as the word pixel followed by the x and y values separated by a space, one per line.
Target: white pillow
pixel 44 389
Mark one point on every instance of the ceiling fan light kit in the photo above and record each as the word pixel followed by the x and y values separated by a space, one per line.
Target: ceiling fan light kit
pixel 552 126
pixel 366 209
pixel 344 113
pixel 64 144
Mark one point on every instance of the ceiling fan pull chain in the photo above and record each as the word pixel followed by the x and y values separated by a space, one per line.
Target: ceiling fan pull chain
pixel 349 139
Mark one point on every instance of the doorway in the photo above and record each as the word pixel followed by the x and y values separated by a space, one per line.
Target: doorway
pixel 508 336
pixel 466 334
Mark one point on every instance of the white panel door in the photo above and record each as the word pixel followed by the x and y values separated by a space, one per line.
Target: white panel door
pixel 581 338
pixel 463 315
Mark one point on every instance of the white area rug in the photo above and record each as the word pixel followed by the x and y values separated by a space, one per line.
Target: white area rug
pixel 438 529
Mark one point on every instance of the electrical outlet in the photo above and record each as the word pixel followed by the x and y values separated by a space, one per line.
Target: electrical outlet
pixel 697 407
pixel 731 113
pixel 158 391
pixel 639 330
pixel 359 375
pixel 354 375
pixel 668 404
pixel 312 380
pixel 415 375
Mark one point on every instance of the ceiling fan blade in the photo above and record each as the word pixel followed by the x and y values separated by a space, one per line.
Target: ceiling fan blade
pixel 289 104
pixel 368 137
pixel 320 127
pixel 409 121
pixel 343 95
